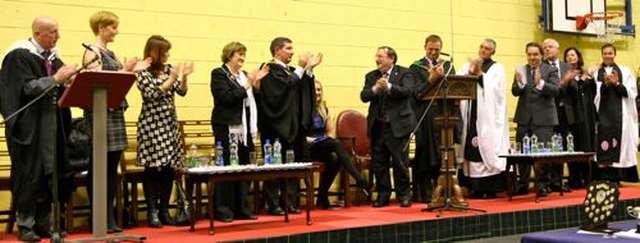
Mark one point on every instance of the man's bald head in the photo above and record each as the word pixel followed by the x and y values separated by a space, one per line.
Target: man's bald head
pixel 45 31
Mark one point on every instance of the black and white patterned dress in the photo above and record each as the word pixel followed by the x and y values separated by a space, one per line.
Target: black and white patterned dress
pixel 159 142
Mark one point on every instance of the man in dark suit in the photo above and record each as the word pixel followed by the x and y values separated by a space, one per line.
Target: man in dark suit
pixel 536 87
pixel 388 90
pixel 29 68
pixel 568 117
pixel 425 72
pixel 285 99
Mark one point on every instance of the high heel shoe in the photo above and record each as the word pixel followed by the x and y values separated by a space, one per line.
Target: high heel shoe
pixel 365 186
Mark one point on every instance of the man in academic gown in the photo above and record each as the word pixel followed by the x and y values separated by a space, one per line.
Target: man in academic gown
pixel 536 87
pixel 286 101
pixel 390 121
pixel 485 133
pixel 567 112
pixel 618 125
pixel 29 68
pixel 426 163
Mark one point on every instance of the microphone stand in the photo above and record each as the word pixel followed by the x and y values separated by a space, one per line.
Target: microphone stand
pixel 448 188
pixel 56 236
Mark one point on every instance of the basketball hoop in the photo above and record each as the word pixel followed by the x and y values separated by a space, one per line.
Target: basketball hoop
pixel 605 24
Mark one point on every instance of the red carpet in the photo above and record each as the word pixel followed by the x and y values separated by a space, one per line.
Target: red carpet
pixel 326 220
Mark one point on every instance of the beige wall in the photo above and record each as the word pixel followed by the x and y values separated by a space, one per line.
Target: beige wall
pixel 347 32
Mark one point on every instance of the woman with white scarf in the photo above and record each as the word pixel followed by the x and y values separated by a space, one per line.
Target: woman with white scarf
pixel 234 113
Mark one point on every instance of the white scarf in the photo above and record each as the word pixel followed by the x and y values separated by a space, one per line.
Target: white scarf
pixel 250 102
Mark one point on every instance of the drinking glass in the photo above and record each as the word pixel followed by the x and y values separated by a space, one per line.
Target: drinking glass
pixel 290 156
pixel 253 158
pixel 203 161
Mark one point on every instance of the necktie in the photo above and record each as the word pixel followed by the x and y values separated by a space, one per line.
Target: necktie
pixel 47 62
pixel 383 98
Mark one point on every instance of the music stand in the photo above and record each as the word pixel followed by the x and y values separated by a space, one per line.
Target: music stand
pixel 99 90
pixel 447 195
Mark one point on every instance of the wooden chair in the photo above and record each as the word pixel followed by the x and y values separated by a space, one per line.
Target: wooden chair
pixel 200 133
pixel 132 175
pixel 351 130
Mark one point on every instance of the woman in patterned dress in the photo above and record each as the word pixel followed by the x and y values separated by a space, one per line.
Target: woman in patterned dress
pixel 104 25
pixel 160 149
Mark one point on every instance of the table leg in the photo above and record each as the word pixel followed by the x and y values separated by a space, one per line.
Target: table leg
pixel 284 190
pixel 510 182
pixel 308 179
pixel 561 180
pixel 211 188
pixel 588 179
pixel 190 200
pixel 536 180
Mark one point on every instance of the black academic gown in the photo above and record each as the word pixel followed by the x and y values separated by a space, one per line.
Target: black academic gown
pixel 30 137
pixel 285 105
pixel 426 160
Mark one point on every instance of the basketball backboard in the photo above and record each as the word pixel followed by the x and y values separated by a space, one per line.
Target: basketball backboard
pixel 560 15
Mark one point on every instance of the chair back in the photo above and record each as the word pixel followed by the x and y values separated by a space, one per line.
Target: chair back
pixel 353 124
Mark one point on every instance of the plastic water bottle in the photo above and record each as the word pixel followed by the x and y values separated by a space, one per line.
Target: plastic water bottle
pixel 277 152
pixel 560 145
pixel 233 152
pixel 526 144
pixel 193 156
pixel 534 144
pixel 219 154
pixel 570 147
pixel 554 143
pixel 268 152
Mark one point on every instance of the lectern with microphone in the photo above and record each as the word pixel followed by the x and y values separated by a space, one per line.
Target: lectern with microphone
pixel 99 90
pixel 447 194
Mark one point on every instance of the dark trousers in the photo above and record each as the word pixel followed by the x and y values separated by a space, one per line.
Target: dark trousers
pixel 332 154
pixel 544 134
pixel 578 172
pixel 231 197
pixel 384 147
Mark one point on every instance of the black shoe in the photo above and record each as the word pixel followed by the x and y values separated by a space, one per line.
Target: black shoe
pixel 153 220
pixel 521 191
pixel 28 235
pixel 114 229
pixel 294 210
pixel 248 216
pixel 381 203
pixel 405 203
pixel 165 219
pixel 225 219
pixel 276 211
pixel 543 192
pixel 323 202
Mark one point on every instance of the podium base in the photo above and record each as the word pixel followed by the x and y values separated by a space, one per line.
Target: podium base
pixel 114 238
pixel 449 205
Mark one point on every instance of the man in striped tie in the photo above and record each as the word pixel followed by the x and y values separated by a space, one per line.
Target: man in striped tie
pixel 29 69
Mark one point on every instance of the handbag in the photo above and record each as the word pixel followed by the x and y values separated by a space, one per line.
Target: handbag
pixel 79 144
pixel 183 217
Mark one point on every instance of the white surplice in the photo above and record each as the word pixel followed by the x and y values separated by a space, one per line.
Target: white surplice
pixel 491 123
pixel 629 138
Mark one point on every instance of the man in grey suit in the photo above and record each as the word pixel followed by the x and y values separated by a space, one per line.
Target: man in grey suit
pixel 536 87
pixel 388 90
pixel 568 117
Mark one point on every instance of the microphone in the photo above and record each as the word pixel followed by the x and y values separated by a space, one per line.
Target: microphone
pixel 441 53
pixel 96 58
pixel 91 50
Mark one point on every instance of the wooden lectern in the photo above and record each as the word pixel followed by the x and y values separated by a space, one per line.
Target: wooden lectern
pixel 447 94
pixel 99 90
